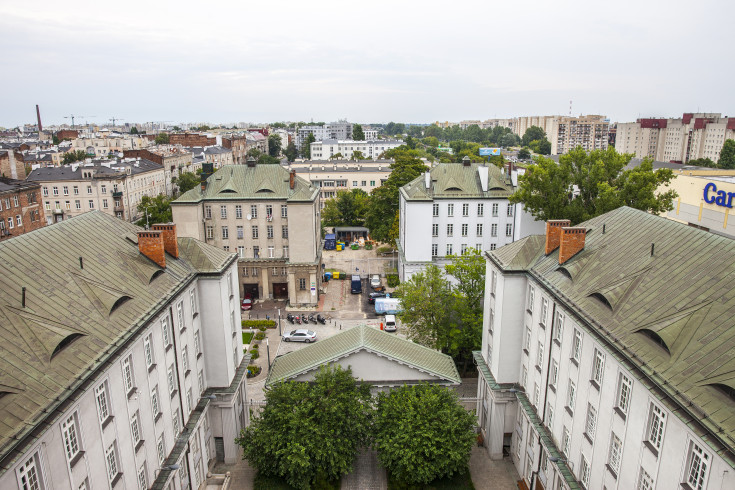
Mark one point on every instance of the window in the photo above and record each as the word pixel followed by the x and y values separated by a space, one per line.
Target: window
pixel 450 209
pixel 495 209
pixel 524 376
pixel 103 188
pixel 225 233
pixel 479 229
pixel 509 229
pixel 571 395
pixel 210 232
pixel 161 448
pixel 559 326
pixel 70 432
pixel 103 402
pixel 197 344
pixel 285 253
pixel 104 204
pixel 434 249
pixel 372 183
pixel 238 211
pixel 111 459
pixel 269 231
pixel 66 190
pixel 565 441
pixel 591 422
pixel 284 211
pixel 208 212
pixel 540 355
pixel 494 282
pixel 435 209
pixel 154 401
pixel 354 183
pixel 464 229
pixel 269 209
pixel 450 230
pixel 10 223
pixel 18 220
pixel 256 252
pixel 55 191
pixel 135 428
pixel 656 424
pixel 185 358
pixel 577 345
pixel 188 399
pixel 549 415
pixel 554 375
pixel 284 231
pixel 253 212
pixel 91 204
pixel 465 209
pixel 598 367
pixel 494 229
pixel 165 331
pixel 536 393
pixel 584 472
pixel 480 209
pixel 435 230
pixel 449 249
pixel 176 422
pixel 531 294
pixel 141 478
pixel 544 311
pixel 302 284
pixel 254 231
pixel 527 343
pixel 78 204
pixel 45 192
pixel 616 449
pixel 148 350
pixel 200 380
pixel 127 370
pixel 625 387
pixel 171 376
pixel 30 477
pixel 510 210
pixel 223 212
pixel 645 482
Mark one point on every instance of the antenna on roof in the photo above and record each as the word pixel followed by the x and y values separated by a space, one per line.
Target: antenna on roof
pixel 23 296
pixel 81 263
pixel 652 245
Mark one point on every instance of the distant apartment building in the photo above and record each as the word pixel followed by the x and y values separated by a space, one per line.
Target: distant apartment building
pixel 454 207
pixel 270 217
pixel 122 362
pixel 257 140
pixel 370 149
pixel 114 187
pixel 12 164
pixel 64 134
pixel 101 146
pixel 191 139
pixel 566 132
pixel 370 133
pixel 43 158
pixel 20 207
pixel 174 159
pixel 332 177
pixel 216 155
pixel 341 130
pixel 690 137
pixel 238 144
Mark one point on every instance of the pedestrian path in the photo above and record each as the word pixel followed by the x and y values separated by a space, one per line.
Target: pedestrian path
pixel 366 473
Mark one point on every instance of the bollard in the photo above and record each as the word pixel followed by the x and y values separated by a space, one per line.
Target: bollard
pixel 340 326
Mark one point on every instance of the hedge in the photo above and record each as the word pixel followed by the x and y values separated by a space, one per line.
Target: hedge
pixel 393 280
pixel 258 324
pixel 260 336
pixel 254 371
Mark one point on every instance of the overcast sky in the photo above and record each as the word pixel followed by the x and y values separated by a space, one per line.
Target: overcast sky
pixel 370 61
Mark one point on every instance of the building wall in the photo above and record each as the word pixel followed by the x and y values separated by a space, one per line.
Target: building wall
pixel 191 139
pixel 332 178
pixel 12 165
pixel 371 150
pixel 691 208
pixel 21 211
pixel 103 146
pixel 184 325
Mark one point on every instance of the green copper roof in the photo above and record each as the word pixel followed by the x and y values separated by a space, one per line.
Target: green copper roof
pixel 76 315
pixel 238 182
pixel 358 339
pixel 454 180
pixel 661 295
pixel 517 256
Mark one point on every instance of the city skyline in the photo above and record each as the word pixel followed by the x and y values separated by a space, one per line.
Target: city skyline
pixel 377 63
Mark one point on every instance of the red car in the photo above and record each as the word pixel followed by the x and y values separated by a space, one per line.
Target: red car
pixel 247 303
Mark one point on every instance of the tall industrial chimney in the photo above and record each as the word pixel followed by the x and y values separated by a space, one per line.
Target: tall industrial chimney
pixel 38 115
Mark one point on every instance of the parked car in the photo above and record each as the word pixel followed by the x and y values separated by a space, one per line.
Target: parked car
pixel 375 281
pixel 247 303
pixel 373 296
pixel 390 323
pixel 300 335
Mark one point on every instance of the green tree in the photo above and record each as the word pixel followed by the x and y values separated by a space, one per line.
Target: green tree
pixel 357 155
pixel 433 131
pixel 186 181
pixel 158 210
pixel 524 154
pixel 310 431
pixel 55 140
pixel 291 152
pixel 337 156
pixel 509 139
pixel 274 145
pixel 348 208
pixel 357 133
pixel 474 133
pixel 431 141
pixel 162 139
pixel 422 433
pixel 703 162
pixel 133 130
pixel 306 146
pixel 73 156
pixel 177 128
pixel 425 297
pixel 584 185
pixel 727 155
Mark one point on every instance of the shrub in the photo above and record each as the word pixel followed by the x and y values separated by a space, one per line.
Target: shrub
pixel 254 371
pixel 384 249
pixel 258 324
pixel 254 354
pixel 256 346
pixel 393 280
pixel 260 336
pixel 368 246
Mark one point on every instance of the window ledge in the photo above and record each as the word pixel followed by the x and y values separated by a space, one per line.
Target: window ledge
pixel 620 413
pixel 182 330
pixel 529 311
pixel 651 448
pixel 525 351
pixel 552 388
pixel 107 421
pixel 188 371
pixel 115 480
pixel 78 457
pixel 132 392
pixel 151 367
pixel 538 368
pixel 139 445
pixel 168 347
pixel 556 341
pixel 196 314
pixel 574 361
pixel 595 384
pixel 588 437
pixel 157 417
pixel 199 355
pixel 541 324
pixel 612 471
pixel 569 411
pixel 173 393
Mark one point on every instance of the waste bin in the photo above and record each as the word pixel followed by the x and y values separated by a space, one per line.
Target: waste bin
pixel 336 275
pixel 327 276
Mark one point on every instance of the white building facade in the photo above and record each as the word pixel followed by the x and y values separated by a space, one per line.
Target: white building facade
pixel 588 376
pixel 371 150
pixel 454 207
pixel 140 380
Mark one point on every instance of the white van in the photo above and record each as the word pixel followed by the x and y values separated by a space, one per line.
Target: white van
pixel 390 323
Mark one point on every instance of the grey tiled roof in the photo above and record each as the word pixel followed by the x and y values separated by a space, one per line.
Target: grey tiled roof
pixel 65 172
pixel 454 180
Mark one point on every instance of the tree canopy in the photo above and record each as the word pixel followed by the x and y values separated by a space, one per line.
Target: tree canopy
pixel 306 146
pixel 524 154
pixel 727 155
pixel 310 431
pixel 291 153
pixel 158 210
pixel 348 208
pixel 357 155
pixel 357 133
pixel 162 139
pixel 422 433
pixel 73 156
pixel 133 130
pixel 426 297
pixel 274 145
pixel 533 133
pixel 186 181
pixel 584 185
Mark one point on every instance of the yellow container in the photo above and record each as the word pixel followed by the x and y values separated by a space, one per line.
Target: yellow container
pixel 335 275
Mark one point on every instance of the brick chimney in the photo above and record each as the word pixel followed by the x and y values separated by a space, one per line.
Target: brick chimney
pixel 292 179
pixel 553 233
pixel 150 244
pixel 572 242
pixel 170 244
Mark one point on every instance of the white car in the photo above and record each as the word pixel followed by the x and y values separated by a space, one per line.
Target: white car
pixel 300 335
pixel 390 323
pixel 375 281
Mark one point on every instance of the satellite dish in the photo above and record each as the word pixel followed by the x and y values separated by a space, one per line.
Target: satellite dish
pixel 250 217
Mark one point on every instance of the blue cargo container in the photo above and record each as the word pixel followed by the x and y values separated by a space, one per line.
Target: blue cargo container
pixel 330 241
pixel 388 306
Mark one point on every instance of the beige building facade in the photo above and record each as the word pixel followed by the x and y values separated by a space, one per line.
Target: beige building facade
pixel 104 145
pixel 270 217
pixel 343 176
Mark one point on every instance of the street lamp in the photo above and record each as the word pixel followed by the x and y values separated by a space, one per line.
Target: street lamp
pixel 268 351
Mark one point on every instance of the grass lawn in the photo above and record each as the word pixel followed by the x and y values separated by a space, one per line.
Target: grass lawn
pixel 460 481
pixel 247 337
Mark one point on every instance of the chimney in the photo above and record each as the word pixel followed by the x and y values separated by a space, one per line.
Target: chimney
pixel 572 242
pixel 482 172
pixel 553 233
pixel 150 244
pixel 251 161
pixel 292 179
pixel 170 243
pixel 38 115
pixel 466 161
pixel 427 179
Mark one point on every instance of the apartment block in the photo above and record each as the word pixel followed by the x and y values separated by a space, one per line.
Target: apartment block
pixel 332 177
pixel 173 158
pixel 370 149
pixel 340 130
pixel 20 207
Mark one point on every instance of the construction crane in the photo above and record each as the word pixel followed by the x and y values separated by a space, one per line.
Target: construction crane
pixel 71 116
pixel 116 119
